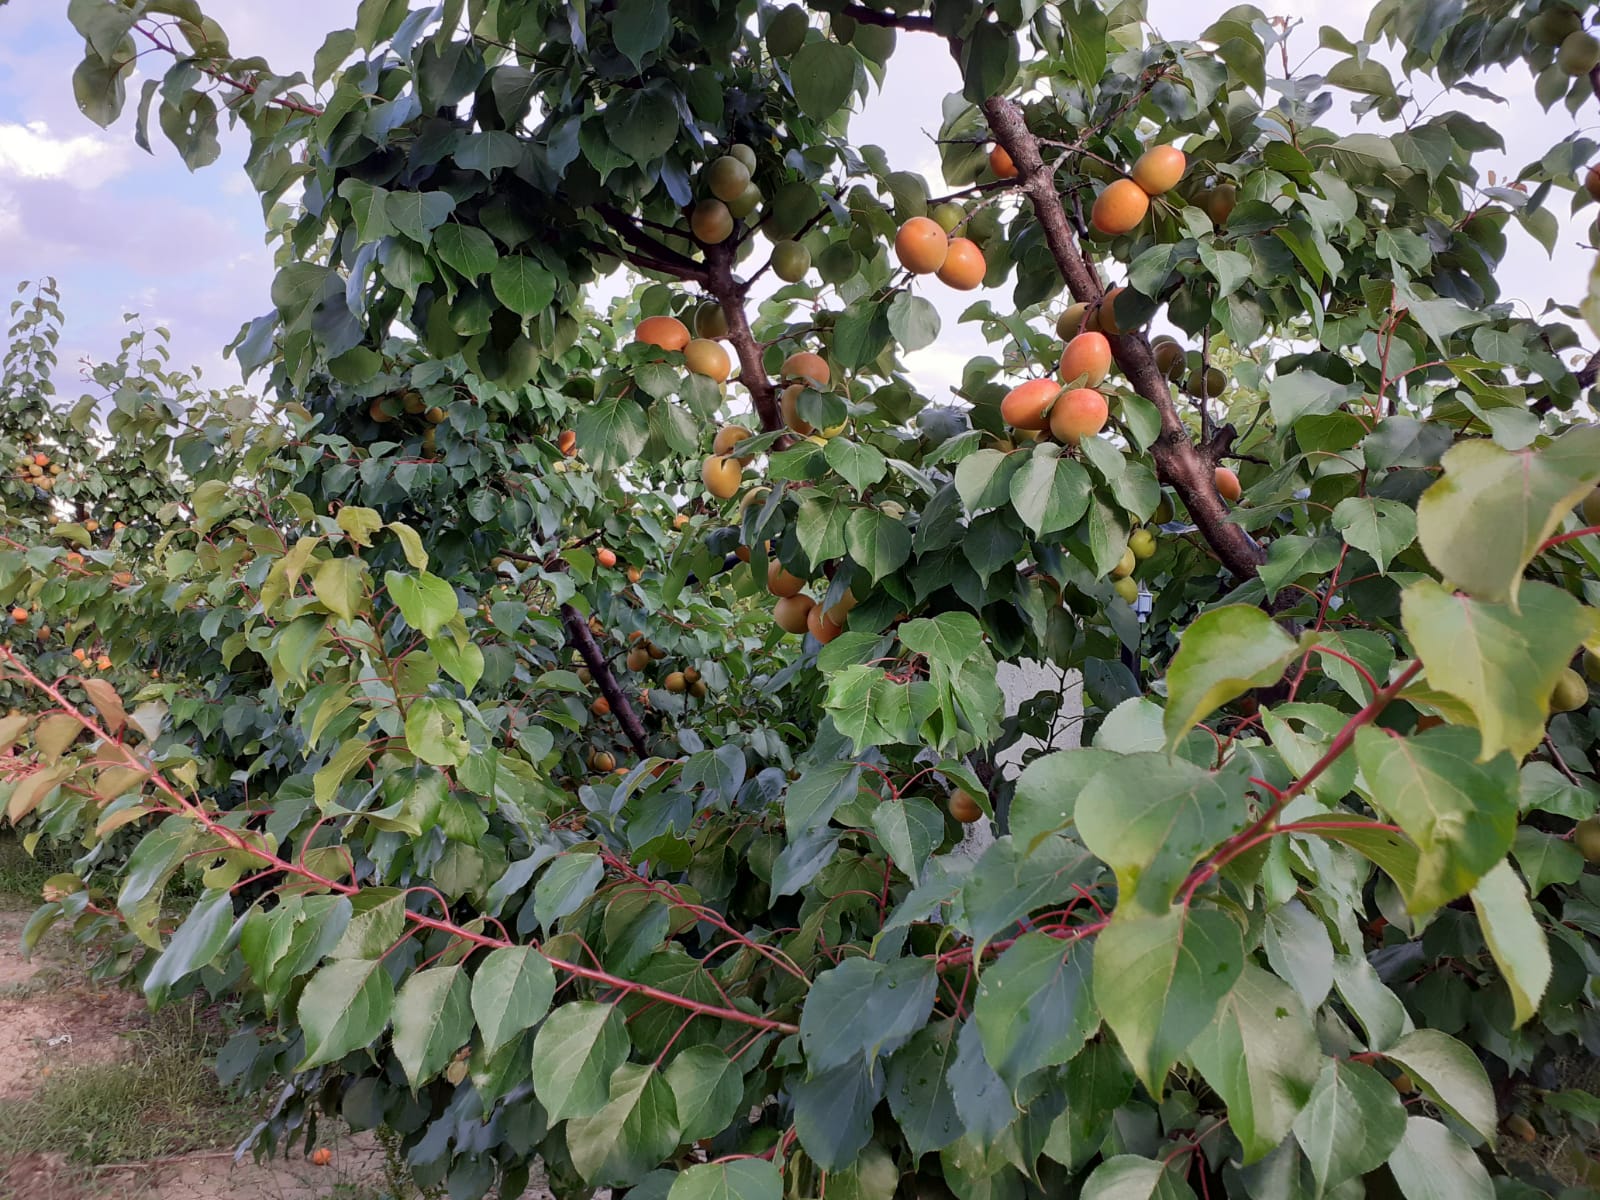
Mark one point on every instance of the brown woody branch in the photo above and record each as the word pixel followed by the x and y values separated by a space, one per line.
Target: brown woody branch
pixel 662 256
pixel 730 293
pixel 1179 462
pixel 243 86
pixel 582 640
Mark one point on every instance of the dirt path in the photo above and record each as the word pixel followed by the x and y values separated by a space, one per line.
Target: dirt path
pixel 54 1021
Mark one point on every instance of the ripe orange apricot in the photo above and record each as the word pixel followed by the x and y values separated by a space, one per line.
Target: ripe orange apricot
pixel 963 267
pixel 720 473
pixel 321 1156
pixel 1078 414
pixel 1227 484
pixel 708 358
pixel 1105 317
pixel 19 614
pixel 727 438
pixel 91 525
pixel 963 807
pixel 921 245
pixel 41 459
pixel 711 222
pixel 819 627
pixel 791 613
pixel 789 407
pixel 1120 207
pixel 606 556
pixel 567 443
pixel 601 707
pixel 1086 361
pixel 805 365
pixel 1001 164
pixel 1028 405
pixel 781 582
pixel 103 662
pixel 667 333
pixel 1159 169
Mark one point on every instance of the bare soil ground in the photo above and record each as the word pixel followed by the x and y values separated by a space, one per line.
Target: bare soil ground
pixel 56 1027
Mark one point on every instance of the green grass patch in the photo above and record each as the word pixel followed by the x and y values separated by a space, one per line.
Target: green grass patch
pixel 160 1100
pixel 21 874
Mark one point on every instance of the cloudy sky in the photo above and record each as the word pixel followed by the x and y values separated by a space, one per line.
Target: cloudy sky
pixel 124 231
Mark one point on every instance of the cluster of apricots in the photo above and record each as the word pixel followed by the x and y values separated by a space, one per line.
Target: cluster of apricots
pixel 701 355
pixel 641 656
pixel 38 470
pixel 924 246
pixel 797 612
pixel 1123 204
pixel 409 403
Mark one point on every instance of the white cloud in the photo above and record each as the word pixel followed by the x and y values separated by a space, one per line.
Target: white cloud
pixel 86 161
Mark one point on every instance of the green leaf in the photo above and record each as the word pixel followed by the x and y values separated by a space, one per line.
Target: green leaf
pixel 1545 859
pixel 433 732
pixel 809 802
pixel 910 829
pixel 1261 1056
pixel 913 321
pixel 920 1092
pixel 730 1179
pixel 1046 795
pixel 577 1048
pixel 1514 936
pixel 1050 492
pixel 1382 528
pixel 877 543
pixel 566 884
pixel 820 526
pixel 1130 1177
pixel 418 214
pixel 416 556
pixel 341 585
pixel 1161 980
pixel 1502 664
pixel 643 124
pixel 466 248
pixel 639 27
pixel 195 942
pixel 432 1020
pixel 511 992
pixel 863 1008
pixel 1150 818
pixel 612 432
pixel 1009 882
pixel 345 1006
pixel 427 602
pixel 823 74
pixel 1460 814
pixel 633 1132
pixel 1351 1123
pixel 461 660
pixel 359 523
pixel 707 1088
pixel 1431 1163
pixel 1483 521
pixel 1450 1075
pixel 1222 655
pixel 860 464
pixel 1034 1007
pixel 524 286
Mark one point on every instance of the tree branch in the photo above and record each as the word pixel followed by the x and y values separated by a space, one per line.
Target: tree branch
pixel 1178 461
pixel 240 85
pixel 730 293
pixel 671 261
pixel 582 640
pixel 871 16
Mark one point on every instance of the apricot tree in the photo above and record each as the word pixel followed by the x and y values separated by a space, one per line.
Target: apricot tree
pixel 580 708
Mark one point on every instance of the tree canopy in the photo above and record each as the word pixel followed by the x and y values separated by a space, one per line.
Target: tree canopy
pixel 551 720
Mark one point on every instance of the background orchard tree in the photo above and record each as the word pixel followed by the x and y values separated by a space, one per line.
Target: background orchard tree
pixel 580 698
